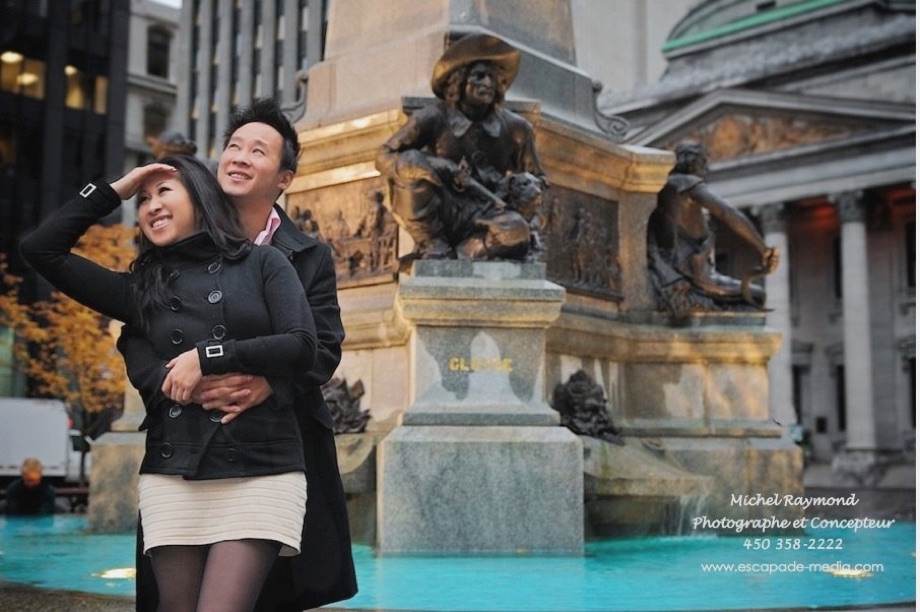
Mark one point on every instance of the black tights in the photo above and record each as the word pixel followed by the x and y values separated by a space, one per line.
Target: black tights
pixel 222 577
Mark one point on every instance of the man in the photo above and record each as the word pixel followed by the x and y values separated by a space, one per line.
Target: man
pixel 29 495
pixel 681 245
pixel 257 164
pixel 450 165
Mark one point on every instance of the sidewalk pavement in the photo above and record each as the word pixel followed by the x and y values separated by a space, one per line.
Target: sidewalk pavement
pixel 22 598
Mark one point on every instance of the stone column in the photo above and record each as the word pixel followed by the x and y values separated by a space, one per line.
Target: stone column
pixel 858 463
pixel 857 333
pixel 773 224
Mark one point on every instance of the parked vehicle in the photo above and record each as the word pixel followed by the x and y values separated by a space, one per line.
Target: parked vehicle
pixel 40 428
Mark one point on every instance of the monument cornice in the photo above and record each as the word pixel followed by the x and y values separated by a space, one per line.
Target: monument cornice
pixel 480 303
pixel 643 343
pixel 345 151
pixel 582 161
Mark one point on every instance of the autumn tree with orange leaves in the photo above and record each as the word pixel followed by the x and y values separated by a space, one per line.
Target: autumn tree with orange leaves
pixel 65 348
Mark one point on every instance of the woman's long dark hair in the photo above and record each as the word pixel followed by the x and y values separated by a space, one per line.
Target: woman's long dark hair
pixel 216 216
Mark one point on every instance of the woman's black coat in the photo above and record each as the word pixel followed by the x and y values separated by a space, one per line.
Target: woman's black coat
pixel 324 571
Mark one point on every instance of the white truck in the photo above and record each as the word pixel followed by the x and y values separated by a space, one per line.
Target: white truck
pixel 39 428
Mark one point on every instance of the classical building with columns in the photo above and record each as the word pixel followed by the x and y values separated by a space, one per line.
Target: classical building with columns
pixel 807 110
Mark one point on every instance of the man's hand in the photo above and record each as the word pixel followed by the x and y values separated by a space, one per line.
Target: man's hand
pixel 232 393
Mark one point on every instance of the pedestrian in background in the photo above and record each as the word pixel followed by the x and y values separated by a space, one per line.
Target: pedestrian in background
pixel 30 495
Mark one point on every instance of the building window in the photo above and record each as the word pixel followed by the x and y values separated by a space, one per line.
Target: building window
pixel 155 117
pixel 76 88
pixel 158 42
pixel 92 13
pixel 100 97
pixel 22 75
pixel 7 147
pixel 910 248
pixel 798 376
pixel 841 384
pixel 912 373
pixel 821 425
pixel 838 269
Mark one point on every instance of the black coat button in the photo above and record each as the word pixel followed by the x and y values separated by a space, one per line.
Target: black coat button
pixel 176 336
pixel 215 296
pixel 216 416
pixel 175 303
pixel 175 410
pixel 166 450
pixel 174 275
pixel 213 267
pixel 232 454
pixel 218 332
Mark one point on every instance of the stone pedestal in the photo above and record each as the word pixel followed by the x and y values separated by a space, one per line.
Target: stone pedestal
pixel 479 464
pixel 117 458
pixel 113 482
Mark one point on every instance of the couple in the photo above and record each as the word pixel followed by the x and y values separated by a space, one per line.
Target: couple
pixel 228 342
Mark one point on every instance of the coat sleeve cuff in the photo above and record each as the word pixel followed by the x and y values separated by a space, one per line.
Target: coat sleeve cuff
pixel 217 357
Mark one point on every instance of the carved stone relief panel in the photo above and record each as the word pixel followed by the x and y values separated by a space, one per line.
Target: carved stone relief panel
pixel 581 235
pixel 352 219
pixel 738 134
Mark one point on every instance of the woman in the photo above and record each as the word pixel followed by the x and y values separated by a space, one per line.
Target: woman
pixel 220 498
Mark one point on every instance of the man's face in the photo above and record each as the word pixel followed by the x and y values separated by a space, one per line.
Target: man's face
pixel 249 169
pixel 31 478
pixel 481 83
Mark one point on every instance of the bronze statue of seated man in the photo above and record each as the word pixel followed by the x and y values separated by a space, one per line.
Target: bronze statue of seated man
pixel 450 166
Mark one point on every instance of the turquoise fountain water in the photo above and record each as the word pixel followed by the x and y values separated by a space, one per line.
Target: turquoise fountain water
pixel 824 567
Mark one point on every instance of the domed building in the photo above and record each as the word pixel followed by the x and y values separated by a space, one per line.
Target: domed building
pixel 807 111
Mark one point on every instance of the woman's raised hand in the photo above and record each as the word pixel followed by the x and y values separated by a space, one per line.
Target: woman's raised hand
pixel 128 185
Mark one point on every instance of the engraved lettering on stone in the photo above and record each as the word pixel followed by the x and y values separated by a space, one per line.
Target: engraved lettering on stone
pixel 476 364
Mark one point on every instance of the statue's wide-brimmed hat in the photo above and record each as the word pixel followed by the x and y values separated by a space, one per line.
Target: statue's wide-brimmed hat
pixel 477 48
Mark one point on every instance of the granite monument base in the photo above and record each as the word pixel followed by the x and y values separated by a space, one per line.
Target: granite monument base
pixel 117 457
pixel 113 482
pixel 501 490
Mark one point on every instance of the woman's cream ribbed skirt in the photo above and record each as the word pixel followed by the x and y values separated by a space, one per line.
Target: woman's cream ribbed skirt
pixel 182 512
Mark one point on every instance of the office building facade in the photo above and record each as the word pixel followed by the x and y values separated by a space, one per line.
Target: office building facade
pixel 62 105
pixel 238 50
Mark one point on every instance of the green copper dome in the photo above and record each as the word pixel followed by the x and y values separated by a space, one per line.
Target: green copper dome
pixel 712 19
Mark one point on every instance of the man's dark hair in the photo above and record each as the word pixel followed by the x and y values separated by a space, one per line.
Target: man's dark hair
pixel 266 110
